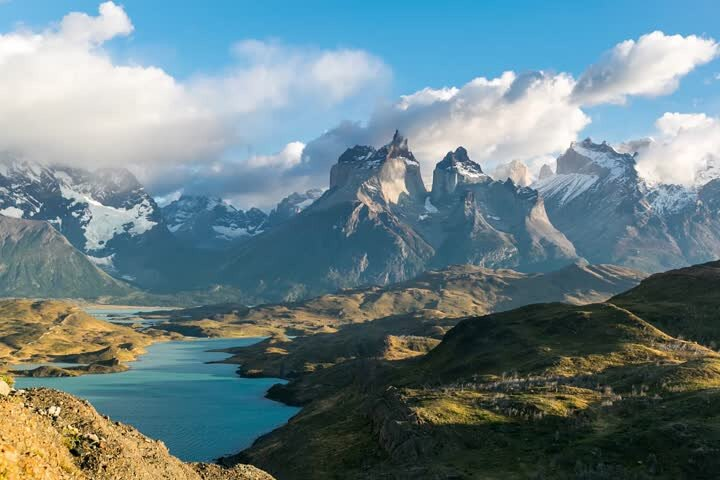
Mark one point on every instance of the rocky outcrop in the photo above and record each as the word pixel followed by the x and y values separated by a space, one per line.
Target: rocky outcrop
pixel 545 172
pixel 398 430
pixel 454 170
pixel 52 435
pixel 516 171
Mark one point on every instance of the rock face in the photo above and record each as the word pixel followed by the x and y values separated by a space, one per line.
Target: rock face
pixel 456 169
pixel 211 222
pixel 377 224
pixel 598 200
pixel 545 172
pixel 516 171
pixel 4 389
pixel 352 235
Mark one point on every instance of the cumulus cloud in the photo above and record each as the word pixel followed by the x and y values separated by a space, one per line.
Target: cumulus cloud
pixel 271 75
pixel 651 66
pixel 65 99
pixel 685 146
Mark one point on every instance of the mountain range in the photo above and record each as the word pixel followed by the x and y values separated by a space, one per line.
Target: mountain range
pixel 377 223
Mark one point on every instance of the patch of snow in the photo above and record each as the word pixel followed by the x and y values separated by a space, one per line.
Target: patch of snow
pixel 469 171
pixel 305 203
pixel 424 216
pixel 429 207
pixel 13 212
pixel 615 162
pixel 231 232
pixel 669 199
pixel 102 223
pixel 103 262
pixel 175 228
pixel 566 186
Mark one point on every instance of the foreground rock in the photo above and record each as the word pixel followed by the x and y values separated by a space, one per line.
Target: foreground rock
pixel 52 435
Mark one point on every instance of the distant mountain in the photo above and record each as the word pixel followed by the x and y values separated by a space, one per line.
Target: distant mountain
pixel 211 222
pixel 377 224
pixel 611 215
pixel 516 171
pixel 292 205
pixel 476 220
pixel 37 261
pixel 106 214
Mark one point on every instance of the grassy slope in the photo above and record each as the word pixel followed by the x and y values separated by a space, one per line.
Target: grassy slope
pixel 682 302
pixel 545 391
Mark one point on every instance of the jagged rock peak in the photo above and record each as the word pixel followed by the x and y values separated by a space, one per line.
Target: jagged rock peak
pixel 454 170
pixel 592 158
pixel 371 157
pixel 359 163
pixel 516 171
pixel 460 162
pixel 546 171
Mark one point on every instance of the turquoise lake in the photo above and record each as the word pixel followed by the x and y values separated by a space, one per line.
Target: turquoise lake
pixel 201 411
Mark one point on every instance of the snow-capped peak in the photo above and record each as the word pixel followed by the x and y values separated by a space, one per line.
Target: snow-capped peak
pixel 365 156
pixel 211 222
pixel 596 159
pixel 460 163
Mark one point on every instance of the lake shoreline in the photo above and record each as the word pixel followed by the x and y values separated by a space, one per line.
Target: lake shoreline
pixel 185 378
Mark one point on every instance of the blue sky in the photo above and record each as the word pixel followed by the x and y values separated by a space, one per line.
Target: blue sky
pixel 422 44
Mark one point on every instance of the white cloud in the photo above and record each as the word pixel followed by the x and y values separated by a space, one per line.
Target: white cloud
pixel 288 157
pixel 270 75
pixel 685 145
pixel 651 66
pixel 65 99
pixel 80 27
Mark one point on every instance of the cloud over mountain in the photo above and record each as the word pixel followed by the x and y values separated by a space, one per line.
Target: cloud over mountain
pixel 65 99
pixel 685 146
pixel 197 133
